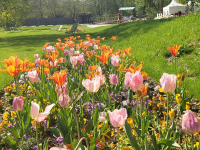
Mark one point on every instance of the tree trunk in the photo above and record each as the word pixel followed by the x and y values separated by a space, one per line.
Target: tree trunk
pixel 161 6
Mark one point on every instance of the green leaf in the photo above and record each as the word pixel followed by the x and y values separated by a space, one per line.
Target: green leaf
pixel 130 136
pixel 169 143
pixel 155 145
pixel 11 142
pixel 15 132
pixel 55 131
pixel 88 128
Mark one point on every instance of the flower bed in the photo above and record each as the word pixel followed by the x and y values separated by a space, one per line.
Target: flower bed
pixel 84 95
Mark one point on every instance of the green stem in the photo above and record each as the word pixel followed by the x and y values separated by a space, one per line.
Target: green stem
pixel 192 141
pixel 167 109
pixel 118 139
pixel 37 136
pixel 141 118
pixel 77 123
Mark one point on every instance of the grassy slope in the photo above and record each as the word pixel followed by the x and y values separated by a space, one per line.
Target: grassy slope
pixel 149 40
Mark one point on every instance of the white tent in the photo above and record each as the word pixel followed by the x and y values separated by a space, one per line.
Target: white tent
pixel 174 7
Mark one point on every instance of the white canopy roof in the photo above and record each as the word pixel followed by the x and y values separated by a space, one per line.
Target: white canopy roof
pixel 174 3
pixel 126 8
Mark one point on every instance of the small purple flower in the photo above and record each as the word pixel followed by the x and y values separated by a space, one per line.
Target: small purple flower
pixel 32 128
pixel 98 145
pixel 49 138
pixel 35 147
pixel 10 125
pixel 45 123
pixel 59 139
pixel 14 124
pixel 26 136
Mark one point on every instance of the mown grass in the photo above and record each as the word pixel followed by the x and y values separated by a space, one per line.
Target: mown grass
pixel 149 41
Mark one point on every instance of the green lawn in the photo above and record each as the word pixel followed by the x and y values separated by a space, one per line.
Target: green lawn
pixel 149 41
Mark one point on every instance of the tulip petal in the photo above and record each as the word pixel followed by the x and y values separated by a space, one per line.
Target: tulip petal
pixel 35 108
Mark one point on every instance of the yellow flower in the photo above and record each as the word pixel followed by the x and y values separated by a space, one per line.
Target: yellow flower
pixel 121 138
pixel 165 102
pixel 154 98
pixel 160 90
pixel 130 121
pixel 157 135
pixel 178 98
pixel 13 113
pixel 151 103
pixel 178 77
pixel 143 113
pixel 164 124
pixel 6 115
pixel 164 113
pixel 85 120
pixel 188 105
pixel 112 145
pixel 171 113
pixel 196 134
pixel 159 105
pixel 160 97
pixel 134 132
pixel 8 108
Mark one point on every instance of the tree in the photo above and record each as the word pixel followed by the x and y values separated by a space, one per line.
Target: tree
pixel 13 12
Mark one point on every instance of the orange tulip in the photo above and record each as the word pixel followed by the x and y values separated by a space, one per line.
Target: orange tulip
pixel 31 64
pixel 78 37
pixel 114 38
pixel 98 37
pixel 133 69
pixel 53 56
pixel 174 49
pixel 103 38
pixel 13 60
pixel 87 35
pixel 104 56
pixel 11 70
pixel 46 71
pixel 24 64
pixel 59 77
pixel 59 40
pixel 127 51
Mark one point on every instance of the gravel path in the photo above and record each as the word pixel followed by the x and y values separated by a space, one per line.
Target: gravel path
pixel 95 25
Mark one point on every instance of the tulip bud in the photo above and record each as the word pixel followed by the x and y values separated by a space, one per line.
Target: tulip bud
pixel 168 82
pixel 113 79
pixel 190 122
pixel 18 103
pixel 33 76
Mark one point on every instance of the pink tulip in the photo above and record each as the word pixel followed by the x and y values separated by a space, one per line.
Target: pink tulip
pixel 190 122
pixel 115 60
pixel 113 79
pixel 102 79
pixel 35 108
pixel 168 82
pixel 71 50
pixel 66 52
pixel 50 49
pixel 96 47
pixel 81 59
pixel 118 117
pixel 92 85
pixel 65 100
pixel 99 70
pixel 36 56
pixel 33 76
pixel 62 90
pixel 74 60
pixel 102 116
pixel 18 103
pixel 133 80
